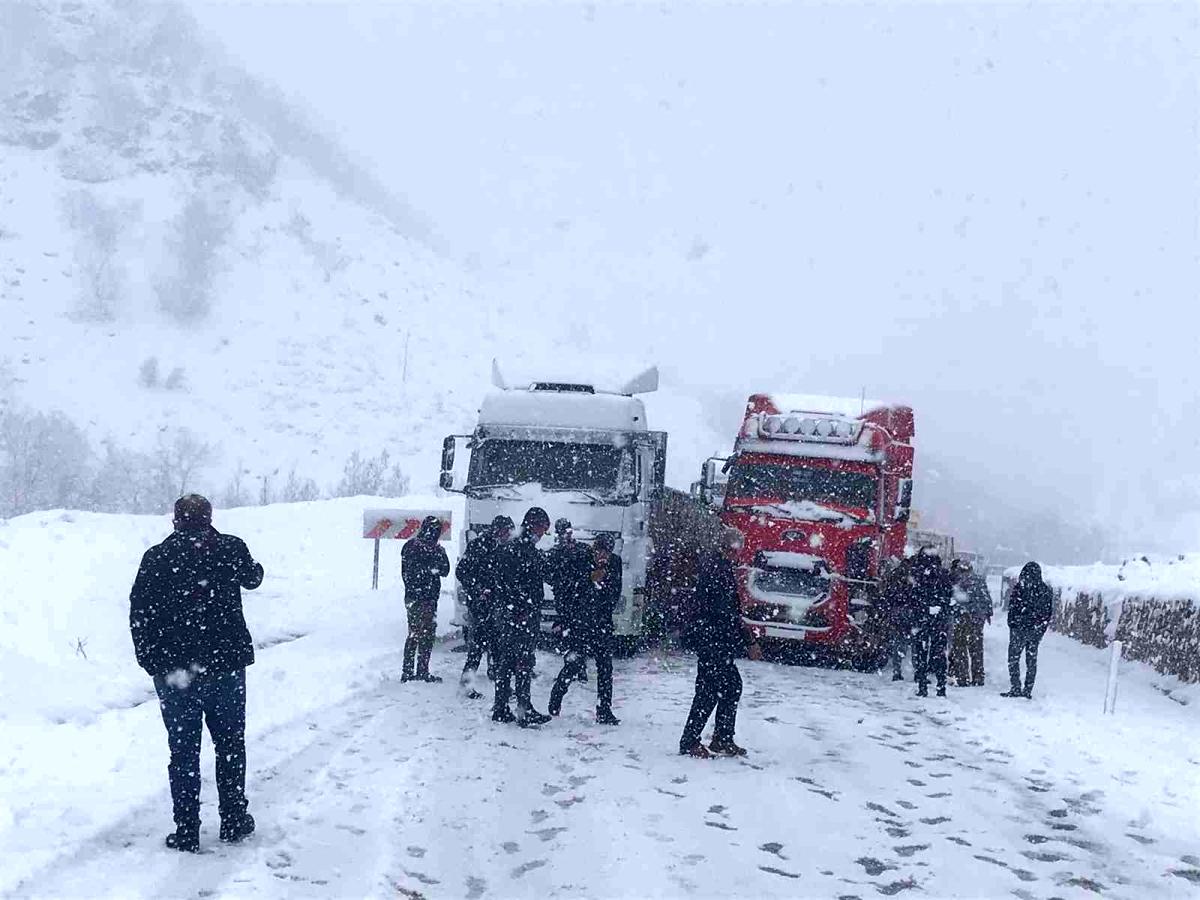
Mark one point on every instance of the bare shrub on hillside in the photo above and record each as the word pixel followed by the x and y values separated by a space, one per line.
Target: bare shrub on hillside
pixel 298 490
pixel 44 462
pixel 98 227
pixel 235 493
pixel 371 476
pixel 148 372
pixel 124 483
pixel 177 462
pixel 185 292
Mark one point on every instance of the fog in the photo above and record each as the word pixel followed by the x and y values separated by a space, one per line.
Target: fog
pixel 990 212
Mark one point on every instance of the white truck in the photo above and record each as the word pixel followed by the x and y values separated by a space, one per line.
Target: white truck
pixel 579 449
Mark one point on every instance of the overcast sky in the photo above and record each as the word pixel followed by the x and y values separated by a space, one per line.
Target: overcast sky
pixel 992 212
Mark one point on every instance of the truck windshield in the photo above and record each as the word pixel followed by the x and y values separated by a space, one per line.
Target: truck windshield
pixel 820 485
pixel 596 468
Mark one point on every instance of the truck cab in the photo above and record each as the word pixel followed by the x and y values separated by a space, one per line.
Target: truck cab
pixel 579 449
pixel 821 490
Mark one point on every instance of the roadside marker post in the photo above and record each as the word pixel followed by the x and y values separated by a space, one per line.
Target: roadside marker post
pixel 1114 667
pixel 398 525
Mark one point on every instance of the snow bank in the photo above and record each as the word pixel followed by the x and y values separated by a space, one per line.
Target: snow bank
pixel 1149 603
pixel 65 650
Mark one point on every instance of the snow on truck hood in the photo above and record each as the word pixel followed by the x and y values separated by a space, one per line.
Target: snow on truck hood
pixel 851 407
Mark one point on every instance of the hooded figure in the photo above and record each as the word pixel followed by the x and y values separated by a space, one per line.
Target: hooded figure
pixel 972 610
pixel 189 634
pixel 423 565
pixel 1030 609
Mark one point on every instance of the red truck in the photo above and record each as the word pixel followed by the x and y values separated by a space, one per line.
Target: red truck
pixel 821 489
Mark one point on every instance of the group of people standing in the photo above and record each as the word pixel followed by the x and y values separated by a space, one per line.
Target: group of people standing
pixel 939 612
pixel 503 578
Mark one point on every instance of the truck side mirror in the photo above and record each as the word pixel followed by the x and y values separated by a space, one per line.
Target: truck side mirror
pixel 447 481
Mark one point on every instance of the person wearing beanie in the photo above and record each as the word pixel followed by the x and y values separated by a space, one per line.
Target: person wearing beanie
pixel 423 565
pixel 190 636
pixel 476 573
pixel 516 611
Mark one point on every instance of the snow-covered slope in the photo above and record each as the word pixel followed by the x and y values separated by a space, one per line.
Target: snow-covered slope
pixel 156 205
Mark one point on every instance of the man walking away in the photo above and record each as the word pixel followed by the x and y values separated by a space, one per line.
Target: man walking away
pixel 972 610
pixel 568 567
pixel 423 565
pixel 476 573
pixel 717 637
pixel 189 634
pixel 516 610
pixel 896 614
pixel 1030 608
pixel 933 596
pixel 589 629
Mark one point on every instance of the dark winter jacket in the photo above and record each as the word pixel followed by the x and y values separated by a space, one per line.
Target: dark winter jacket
pixel 972 599
pixel 591 614
pixel 715 631
pixel 568 570
pixel 1031 601
pixel 423 565
pixel 897 599
pixel 520 586
pixel 185 609
pixel 476 572
pixel 932 594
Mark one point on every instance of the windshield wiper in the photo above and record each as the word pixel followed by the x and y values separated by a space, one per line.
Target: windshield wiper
pixel 481 490
pixel 593 499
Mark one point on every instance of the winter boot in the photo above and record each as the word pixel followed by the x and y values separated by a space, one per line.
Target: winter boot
pixel 430 679
pixel 604 716
pixel 237 828
pixel 941 691
pixel 185 840
pixel 531 718
pixel 405 677
pixel 897 677
pixel 922 690
pixel 696 751
pixel 504 716
pixel 725 748
pixel 1014 691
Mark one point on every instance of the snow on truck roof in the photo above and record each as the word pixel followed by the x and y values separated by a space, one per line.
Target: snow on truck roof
pixel 837 406
pixel 554 409
pixel 644 382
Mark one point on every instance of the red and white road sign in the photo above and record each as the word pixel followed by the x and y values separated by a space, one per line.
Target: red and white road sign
pixel 401 524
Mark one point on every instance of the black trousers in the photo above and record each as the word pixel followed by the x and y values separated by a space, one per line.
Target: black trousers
pixel 479 641
pixel 966 652
pixel 1023 640
pixel 898 640
pixel 929 655
pixel 719 687
pixel 514 653
pixel 422 627
pixel 219 701
pixel 599 648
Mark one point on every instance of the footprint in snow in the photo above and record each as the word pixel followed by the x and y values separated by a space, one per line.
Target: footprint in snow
pixel 548 834
pixel 774 848
pixel 510 847
pixel 476 888
pixel 521 870
pixel 873 866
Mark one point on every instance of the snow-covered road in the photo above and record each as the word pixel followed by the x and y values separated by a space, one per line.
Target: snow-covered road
pixel 854 788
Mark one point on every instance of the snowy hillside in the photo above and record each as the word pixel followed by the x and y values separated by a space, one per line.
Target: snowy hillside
pixel 177 250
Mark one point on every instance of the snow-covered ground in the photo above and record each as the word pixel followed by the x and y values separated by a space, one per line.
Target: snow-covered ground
pixel 365 787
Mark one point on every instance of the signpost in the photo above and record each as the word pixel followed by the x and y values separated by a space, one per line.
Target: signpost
pixel 398 525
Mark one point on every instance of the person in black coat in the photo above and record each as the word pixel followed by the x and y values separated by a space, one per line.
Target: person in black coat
pixel 932 613
pixel 716 635
pixel 972 610
pixel 588 629
pixel 896 613
pixel 423 565
pixel 568 566
pixel 476 572
pixel 1030 609
pixel 190 636
pixel 516 615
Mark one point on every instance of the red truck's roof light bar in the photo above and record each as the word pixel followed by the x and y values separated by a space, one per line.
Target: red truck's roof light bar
pixel 817 429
